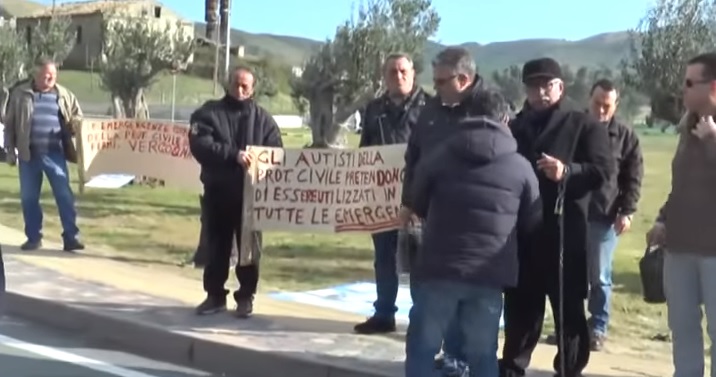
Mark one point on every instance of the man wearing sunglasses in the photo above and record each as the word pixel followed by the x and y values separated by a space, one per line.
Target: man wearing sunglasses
pixel 685 223
pixel 389 119
pixel 570 153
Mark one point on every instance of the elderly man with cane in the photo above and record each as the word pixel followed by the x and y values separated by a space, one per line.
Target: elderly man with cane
pixel 571 155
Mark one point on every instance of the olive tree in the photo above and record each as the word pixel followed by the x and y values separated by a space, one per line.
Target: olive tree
pixel 135 52
pixel 509 82
pixel 671 32
pixel 51 38
pixel 346 72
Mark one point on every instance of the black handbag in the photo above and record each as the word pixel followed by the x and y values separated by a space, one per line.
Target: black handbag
pixel 651 270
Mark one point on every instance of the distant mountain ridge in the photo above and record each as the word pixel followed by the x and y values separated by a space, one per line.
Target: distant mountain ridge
pixel 600 50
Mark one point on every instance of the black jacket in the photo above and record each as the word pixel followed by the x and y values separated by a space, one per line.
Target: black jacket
pixel 620 194
pixel 575 138
pixel 476 194
pixel 435 124
pixel 383 122
pixel 220 129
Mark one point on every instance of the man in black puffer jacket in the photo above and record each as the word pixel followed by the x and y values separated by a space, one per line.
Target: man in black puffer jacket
pixel 219 134
pixel 477 195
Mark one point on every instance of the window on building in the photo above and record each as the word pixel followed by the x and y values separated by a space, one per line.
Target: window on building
pixel 157 12
pixel 78 34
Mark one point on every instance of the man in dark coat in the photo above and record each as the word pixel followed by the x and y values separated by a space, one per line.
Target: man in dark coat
pixel 476 194
pixel 389 119
pixel 611 208
pixel 219 134
pixel 457 84
pixel 571 155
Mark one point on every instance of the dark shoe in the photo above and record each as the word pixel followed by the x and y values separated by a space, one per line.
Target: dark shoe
pixel 74 245
pixel 596 343
pixel 31 245
pixel 211 305
pixel 375 325
pixel 244 307
pixel 551 339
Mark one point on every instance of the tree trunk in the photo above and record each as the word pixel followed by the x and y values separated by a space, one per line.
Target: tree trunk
pixel 117 110
pixel 327 120
pixel 667 108
pixel 135 106
pixel 4 97
pixel 321 120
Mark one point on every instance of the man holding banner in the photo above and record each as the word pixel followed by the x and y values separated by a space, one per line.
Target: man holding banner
pixel 40 122
pixel 219 134
pixel 389 120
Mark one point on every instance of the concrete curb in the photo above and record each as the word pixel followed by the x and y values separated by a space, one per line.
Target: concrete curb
pixel 161 344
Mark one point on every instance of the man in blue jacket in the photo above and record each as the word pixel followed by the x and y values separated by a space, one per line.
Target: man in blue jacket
pixel 477 195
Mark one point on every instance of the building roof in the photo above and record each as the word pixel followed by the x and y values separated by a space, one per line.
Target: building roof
pixel 91 7
pixel 19 8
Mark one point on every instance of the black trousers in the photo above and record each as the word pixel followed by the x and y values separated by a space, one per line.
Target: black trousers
pixel 222 211
pixel 524 316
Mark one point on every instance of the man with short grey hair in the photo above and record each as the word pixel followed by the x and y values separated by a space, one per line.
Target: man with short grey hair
pixel 457 85
pixel 41 119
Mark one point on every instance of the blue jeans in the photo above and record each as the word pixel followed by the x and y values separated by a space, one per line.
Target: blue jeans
pixel 385 265
pixel 54 166
pixel 689 282
pixel 602 240
pixel 437 303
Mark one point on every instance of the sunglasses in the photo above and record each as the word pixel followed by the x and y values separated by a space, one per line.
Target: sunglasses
pixel 689 83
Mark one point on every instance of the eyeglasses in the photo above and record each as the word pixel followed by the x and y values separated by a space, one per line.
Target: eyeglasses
pixel 440 81
pixel 541 84
pixel 689 83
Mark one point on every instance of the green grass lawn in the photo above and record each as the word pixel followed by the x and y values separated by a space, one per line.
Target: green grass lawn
pixel 161 226
pixel 190 91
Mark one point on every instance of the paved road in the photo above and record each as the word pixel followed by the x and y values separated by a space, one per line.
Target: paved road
pixel 28 350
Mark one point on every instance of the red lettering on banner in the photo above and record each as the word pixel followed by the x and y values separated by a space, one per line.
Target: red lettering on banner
pixel 351 190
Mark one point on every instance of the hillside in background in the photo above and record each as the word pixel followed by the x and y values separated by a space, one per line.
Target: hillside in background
pixel 18 8
pixel 599 50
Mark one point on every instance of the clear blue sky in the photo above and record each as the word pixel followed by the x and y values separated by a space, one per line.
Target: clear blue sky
pixel 482 21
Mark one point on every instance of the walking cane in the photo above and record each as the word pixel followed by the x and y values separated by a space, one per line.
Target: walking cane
pixel 559 211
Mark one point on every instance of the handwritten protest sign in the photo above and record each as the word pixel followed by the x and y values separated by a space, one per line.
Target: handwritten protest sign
pixel 138 147
pixel 326 190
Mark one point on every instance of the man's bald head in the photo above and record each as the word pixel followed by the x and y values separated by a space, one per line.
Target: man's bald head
pixel 240 84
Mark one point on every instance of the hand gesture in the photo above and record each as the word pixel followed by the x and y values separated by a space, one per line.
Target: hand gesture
pixel 551 167
pixel 622 224
pixel 406 216
pixel 705 128
pixel 245 159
